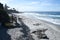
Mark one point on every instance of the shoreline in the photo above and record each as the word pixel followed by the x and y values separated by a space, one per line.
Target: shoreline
pixel 54 25
pixel 50 22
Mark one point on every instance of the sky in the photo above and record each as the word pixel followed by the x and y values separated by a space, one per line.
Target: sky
pixel 33 5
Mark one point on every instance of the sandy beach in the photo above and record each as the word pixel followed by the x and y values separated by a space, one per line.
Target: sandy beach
pixel 53 32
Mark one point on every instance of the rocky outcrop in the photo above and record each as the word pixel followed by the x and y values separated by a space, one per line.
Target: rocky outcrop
pixel 40 34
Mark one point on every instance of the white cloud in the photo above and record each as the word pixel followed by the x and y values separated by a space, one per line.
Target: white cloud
pixel 25 8
pixel 35 2
pixel 45 4
pixel 5 1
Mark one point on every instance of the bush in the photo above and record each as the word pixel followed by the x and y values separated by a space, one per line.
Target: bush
pixel 4 17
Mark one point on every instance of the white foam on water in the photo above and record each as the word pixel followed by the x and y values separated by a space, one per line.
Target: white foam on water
pixel 44 17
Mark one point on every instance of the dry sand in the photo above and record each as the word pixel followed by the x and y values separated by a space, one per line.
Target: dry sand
pixel 53 32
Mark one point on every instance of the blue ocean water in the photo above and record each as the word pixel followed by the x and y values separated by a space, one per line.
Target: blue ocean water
pixel 53 17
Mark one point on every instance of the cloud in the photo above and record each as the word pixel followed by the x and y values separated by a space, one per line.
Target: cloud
pixel 5 1
pixel 35 2
pixel 46 4
pixel 42 5
pixel 25 8
pixel 34 6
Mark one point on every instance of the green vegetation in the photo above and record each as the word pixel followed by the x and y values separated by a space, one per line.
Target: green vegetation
pixel 4 17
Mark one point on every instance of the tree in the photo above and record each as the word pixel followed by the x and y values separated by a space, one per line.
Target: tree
pixel 4 17
pixel 6 7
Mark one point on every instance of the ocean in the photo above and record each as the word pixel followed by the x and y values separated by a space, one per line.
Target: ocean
pixel 52 17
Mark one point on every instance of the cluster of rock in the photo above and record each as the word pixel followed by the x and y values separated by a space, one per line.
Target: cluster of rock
pixel 35 35
pixel 39 34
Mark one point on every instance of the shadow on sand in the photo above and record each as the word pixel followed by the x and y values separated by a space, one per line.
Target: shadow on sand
pixel 25 30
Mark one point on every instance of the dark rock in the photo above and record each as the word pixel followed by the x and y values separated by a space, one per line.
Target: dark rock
pixel 41 34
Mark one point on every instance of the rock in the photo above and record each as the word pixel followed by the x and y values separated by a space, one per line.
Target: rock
pixel 40 34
